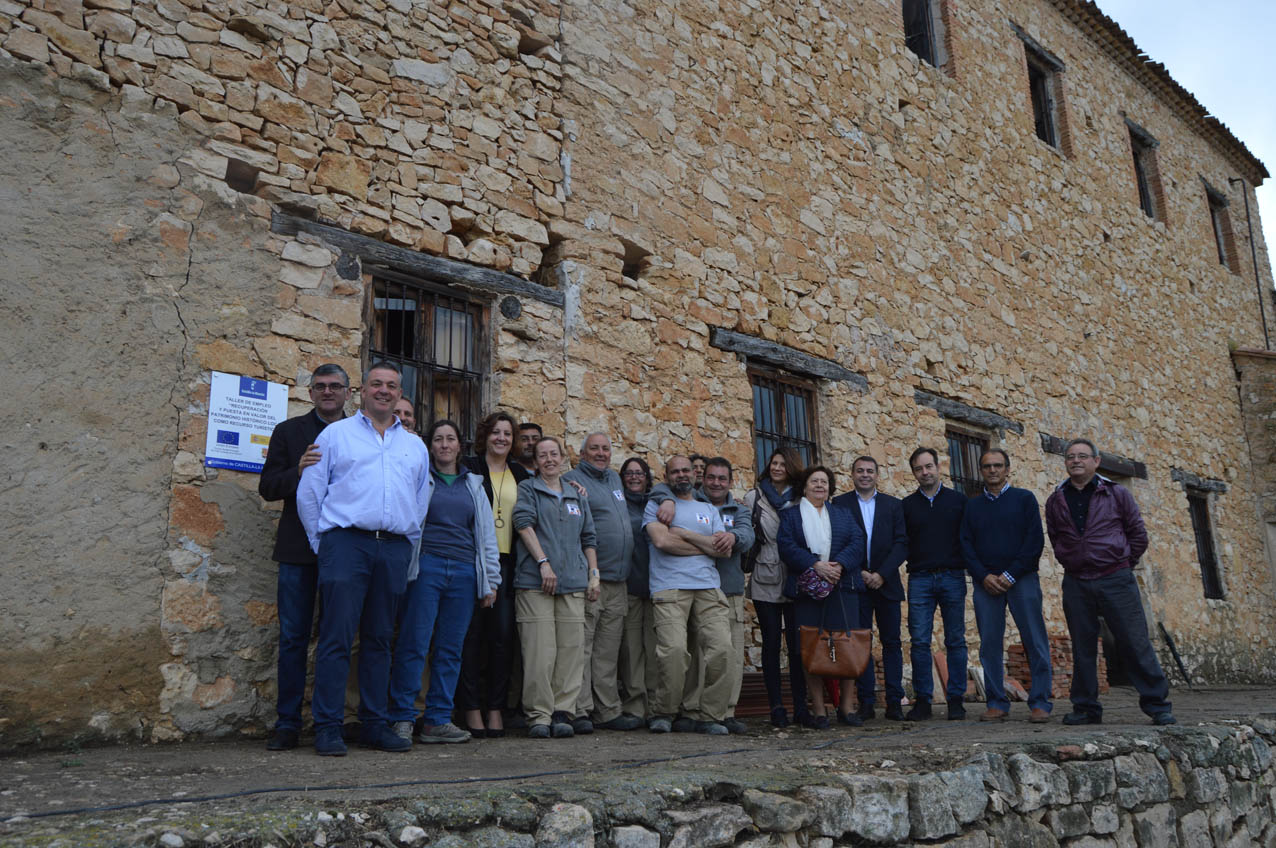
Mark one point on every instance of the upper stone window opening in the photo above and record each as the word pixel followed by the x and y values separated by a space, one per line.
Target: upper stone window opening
pixel 925 31
pixel 1147 174
pixel 1045 87
pixel 1221 222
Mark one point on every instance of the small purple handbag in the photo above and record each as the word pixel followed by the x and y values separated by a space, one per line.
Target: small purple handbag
pixel 813 585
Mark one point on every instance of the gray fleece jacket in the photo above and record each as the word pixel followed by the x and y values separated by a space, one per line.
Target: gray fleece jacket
pixel 611 519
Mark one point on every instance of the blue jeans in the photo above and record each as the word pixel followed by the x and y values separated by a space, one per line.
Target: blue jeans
pixel 887 612
pixel 1116 598
pixel 944 589
pixel 361 583
pixel 295 601
pixel 1024 601
pixel 433 620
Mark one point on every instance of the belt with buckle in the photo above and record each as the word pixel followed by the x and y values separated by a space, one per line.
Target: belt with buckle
pixel 379 535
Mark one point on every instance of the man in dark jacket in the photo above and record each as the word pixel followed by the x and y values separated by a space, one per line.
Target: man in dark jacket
pixel 291 450
pixel 936 580
pixel 1001 541
pixel 881 517
pixel 1098 537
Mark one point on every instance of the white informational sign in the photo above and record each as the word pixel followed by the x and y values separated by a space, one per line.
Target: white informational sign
pixel 242 413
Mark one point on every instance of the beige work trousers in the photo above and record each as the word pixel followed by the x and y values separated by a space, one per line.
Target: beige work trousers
pixel 702 615
pixel 551 629
pixel 638 657
pixel 604 627
pixel 735 669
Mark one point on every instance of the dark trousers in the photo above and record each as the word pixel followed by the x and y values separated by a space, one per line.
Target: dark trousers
pixel 944 590
pixel 490 650
pixel 295 601
pixel 776 620
pixel 361 582
pixel 1116 598
pixel 874 604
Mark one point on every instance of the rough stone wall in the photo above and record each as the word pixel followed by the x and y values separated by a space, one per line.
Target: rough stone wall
pixel 1257 372
pixel 795 173
pixel 790 173
pixel 166 132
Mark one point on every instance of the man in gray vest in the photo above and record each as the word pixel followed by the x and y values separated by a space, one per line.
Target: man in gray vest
pixel 605 617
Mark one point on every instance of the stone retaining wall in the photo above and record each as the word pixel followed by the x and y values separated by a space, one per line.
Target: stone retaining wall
pixel 1192 787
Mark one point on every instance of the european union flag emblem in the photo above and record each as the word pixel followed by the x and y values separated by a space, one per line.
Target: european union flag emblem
pixel 227 437
pixel 249 387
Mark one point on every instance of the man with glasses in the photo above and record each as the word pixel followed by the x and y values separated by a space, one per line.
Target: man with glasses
pixel 292 449
pixel 1001 542
pixel 1098 537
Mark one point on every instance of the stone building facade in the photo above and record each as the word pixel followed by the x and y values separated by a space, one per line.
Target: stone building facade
pixel 688 224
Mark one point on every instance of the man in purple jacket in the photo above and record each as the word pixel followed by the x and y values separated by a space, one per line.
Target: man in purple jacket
pixel 1098 537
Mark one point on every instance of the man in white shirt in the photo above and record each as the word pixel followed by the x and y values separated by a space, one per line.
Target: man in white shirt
pixel 362 505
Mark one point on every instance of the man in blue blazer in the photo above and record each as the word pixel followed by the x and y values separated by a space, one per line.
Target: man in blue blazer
pixel 881 517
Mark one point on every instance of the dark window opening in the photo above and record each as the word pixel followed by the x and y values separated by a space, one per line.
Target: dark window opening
pixel 1041 83
pixel 924 30
pixel 1145 174
pixel 964 451
pixel 241 176
pixel 436 336
pixel 783 416
pixel 637 259
pixel 1198 503
pixel 1221 222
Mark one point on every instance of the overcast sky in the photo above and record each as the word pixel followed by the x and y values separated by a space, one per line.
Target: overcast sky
pixel 1222 52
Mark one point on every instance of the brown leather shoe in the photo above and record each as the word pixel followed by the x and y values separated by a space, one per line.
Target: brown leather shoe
pixel 993 714
pixel 1038 716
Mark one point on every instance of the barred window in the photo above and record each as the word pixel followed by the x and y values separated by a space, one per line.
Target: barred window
pixel 964 451
pixel 435 333
pixel 783 416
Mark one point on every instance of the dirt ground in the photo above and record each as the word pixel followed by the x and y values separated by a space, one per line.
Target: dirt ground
pixel 42 792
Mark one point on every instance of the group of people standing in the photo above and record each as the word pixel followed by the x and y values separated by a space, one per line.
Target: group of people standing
pixel 507 590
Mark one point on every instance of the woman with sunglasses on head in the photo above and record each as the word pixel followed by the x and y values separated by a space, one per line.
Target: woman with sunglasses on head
pixel 776 491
